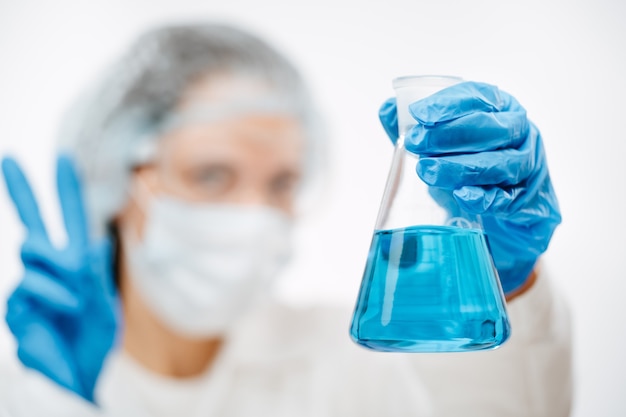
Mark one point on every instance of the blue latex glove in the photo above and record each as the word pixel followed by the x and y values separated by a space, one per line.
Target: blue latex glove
pixel 478 152
pixel 64 312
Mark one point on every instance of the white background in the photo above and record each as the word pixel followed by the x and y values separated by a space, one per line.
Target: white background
pixel 564 61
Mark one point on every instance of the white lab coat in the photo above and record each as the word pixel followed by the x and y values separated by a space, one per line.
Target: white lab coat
pixel 285 362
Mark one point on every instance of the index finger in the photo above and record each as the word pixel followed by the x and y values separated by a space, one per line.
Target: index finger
pixel 71 200
pixel 388 115
pixel 23 197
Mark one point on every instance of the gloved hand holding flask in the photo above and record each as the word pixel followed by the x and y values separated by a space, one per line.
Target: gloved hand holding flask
pixel 477 149
pixel 482 203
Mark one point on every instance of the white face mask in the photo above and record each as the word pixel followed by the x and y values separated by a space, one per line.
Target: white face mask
pixel 200 266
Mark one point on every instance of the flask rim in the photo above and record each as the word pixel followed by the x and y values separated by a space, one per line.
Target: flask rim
pixel 412 80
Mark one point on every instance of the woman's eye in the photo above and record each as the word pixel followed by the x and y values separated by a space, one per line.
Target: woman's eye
pixel 212 176
pixel 284 185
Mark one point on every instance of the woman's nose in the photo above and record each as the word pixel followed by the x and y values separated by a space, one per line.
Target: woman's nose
pixel 252 196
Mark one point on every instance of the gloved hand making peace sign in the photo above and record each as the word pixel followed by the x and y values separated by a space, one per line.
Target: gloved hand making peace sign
pixel 63 313
pixel 477 149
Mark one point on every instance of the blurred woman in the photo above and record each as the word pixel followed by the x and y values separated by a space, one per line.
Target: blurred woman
pixel 194 153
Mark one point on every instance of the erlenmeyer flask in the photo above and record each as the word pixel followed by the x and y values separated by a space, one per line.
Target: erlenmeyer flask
pixel 429 284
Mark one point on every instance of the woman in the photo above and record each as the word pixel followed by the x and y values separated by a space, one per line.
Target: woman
pixel 193 153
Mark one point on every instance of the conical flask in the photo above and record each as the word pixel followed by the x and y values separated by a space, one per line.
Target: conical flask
pixel 430 284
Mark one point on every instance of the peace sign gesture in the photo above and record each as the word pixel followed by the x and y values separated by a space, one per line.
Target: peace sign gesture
pixel 64 312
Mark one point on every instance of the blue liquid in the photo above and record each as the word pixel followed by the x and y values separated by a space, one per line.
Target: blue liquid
pixel 430 289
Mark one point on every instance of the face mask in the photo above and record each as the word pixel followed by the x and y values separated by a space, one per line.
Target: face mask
pixel 199 267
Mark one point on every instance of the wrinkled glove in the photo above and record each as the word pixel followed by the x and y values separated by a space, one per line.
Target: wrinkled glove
pixel 64 312
pixel 479 153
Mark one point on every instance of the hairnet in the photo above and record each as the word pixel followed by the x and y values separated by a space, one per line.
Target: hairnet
pixel 112 127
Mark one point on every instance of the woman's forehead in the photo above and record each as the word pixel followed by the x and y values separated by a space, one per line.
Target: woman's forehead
pixel 226 113
pixel 274 134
